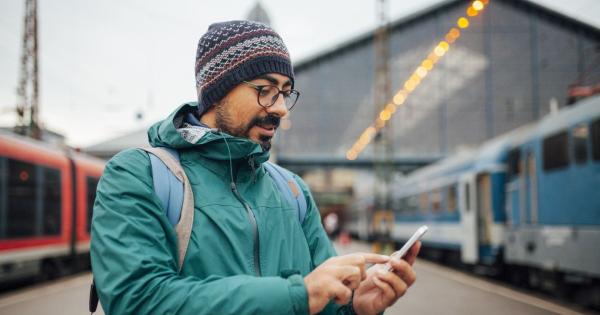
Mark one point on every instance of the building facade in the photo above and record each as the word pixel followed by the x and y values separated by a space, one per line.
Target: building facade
pixel 513 63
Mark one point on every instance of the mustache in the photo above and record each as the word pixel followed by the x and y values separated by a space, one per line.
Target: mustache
pixel 269 120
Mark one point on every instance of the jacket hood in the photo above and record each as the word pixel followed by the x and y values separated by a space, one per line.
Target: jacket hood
pixel 213 144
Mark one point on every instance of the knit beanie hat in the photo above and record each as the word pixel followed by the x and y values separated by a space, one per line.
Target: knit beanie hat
pixel 236 51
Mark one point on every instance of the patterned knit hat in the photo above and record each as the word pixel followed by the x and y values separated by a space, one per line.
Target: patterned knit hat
pixel 236 51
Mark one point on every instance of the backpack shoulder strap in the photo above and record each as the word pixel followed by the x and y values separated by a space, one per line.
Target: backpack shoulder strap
pixel 289 187
pixel 167 186
pixel 173 189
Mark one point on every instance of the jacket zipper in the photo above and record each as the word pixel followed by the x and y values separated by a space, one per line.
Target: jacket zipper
pixel 252 220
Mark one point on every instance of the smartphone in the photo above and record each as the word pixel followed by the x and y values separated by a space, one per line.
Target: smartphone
pixel 406 247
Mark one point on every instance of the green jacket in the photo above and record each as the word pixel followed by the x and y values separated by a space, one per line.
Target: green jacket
pixel 134 247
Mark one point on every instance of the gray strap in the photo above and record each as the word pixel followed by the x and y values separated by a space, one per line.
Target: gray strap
pixel 183 228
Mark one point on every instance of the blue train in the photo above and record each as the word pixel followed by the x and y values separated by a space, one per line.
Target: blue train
pixel 527 202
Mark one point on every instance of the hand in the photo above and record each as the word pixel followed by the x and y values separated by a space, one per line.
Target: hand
pixel 336 278
pixel 383 288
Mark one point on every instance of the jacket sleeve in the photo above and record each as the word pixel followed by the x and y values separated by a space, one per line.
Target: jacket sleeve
pixel 134 257
pixel 320 246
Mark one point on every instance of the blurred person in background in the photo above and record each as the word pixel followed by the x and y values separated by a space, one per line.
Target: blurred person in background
pixel 248 253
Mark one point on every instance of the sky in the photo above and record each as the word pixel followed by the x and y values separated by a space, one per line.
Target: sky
pixel 103 62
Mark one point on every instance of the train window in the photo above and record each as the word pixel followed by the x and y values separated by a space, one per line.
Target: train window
pixel 514 167
pixel 451 198
pixel 423 202
pixel 413 203
pixel 92 183
pixel 33 200
pixel 580 143
pixel 596 140
pixel 436 200
pixel 399 205
pixel 22 202
pixel 51 188
pixel 556 155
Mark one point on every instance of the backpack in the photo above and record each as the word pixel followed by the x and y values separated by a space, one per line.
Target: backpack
pixel 172 187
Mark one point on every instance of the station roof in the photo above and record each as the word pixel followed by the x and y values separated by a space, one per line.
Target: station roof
pixel 443 5
pixel 110 147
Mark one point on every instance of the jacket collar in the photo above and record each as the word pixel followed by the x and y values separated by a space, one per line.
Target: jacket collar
pixel 211 145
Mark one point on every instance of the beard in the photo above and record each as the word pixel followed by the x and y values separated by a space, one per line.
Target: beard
pixel 225 122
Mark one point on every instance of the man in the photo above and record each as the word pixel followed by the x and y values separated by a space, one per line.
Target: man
pixel 248 253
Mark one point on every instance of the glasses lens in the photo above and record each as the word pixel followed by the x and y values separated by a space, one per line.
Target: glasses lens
pixel 290 99
pixel 268 95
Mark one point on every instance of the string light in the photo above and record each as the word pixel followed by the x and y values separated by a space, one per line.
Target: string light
pixel 414 80
pixel 421 72
pixel 391 108
pixel 472 11
pixel 427 64
pixel 399 98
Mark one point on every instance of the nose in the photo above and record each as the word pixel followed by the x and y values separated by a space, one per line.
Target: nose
pixel 278 109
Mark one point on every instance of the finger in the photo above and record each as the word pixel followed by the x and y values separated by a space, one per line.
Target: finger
pixel 411 256
pixel 349 275
pixel 363 258
pixel 360 259
pixel 395 281
pixel 341 293
pixel 404 271
pixel 375 258
pixel 387 291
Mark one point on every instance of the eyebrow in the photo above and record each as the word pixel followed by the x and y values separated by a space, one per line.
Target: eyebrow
pixel 273 80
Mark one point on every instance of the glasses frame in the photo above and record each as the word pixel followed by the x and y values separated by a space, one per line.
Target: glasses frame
pixel 259 88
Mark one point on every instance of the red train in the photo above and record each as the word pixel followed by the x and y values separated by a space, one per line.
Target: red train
pixel 46 199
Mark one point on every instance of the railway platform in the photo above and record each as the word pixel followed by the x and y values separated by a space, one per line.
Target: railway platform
pixel 438 290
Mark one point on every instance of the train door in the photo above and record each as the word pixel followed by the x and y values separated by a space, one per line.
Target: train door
pixel 513 188
pixel 484 208
pixel 468 219
pixel 530 209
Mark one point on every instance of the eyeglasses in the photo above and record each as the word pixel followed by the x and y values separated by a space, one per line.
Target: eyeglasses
pixel 268 95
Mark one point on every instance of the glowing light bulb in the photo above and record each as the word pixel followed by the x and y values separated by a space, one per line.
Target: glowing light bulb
pixel 472 12
pixel 477 5
pixel 409 85
pixel 454 32
pixel 399 99
pixel 463 22
pixel 385 115
pixel 391 108
pixel 427 64
pixel 421 72
pixel 415 78
pixel 439 51
pixel 433 57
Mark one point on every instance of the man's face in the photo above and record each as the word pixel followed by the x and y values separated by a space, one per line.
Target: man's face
pixel 239 113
